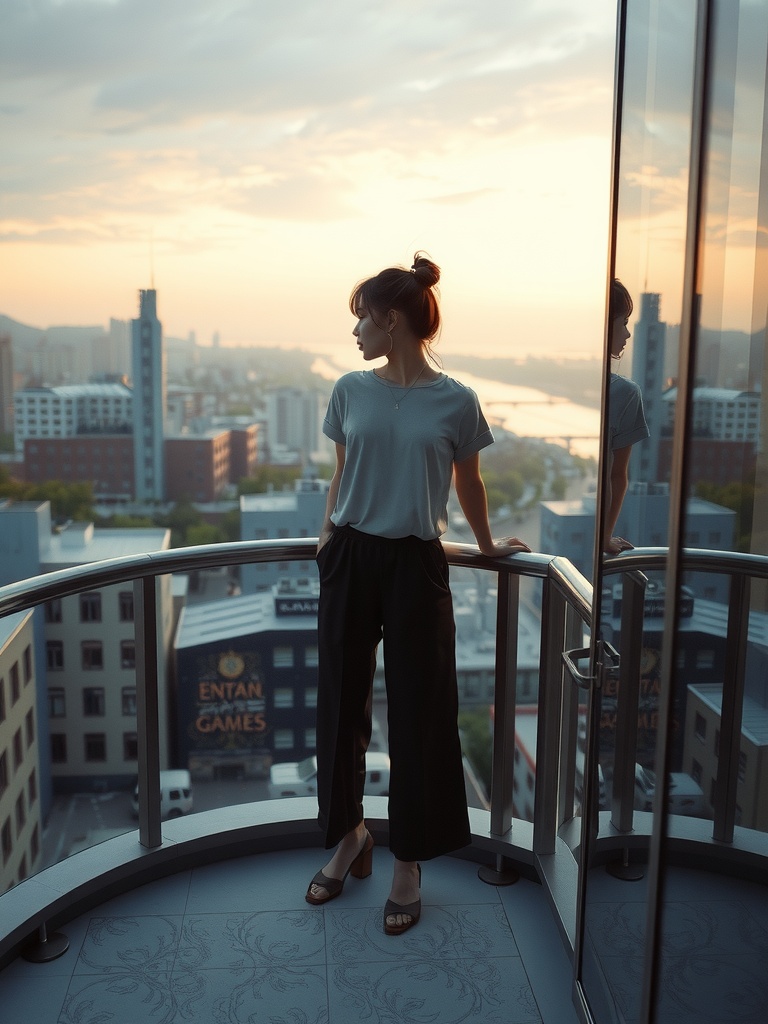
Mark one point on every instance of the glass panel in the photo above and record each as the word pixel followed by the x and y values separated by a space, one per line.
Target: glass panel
pixel 644 314
pixel 711 971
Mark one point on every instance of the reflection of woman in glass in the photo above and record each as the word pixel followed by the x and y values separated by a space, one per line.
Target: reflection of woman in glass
pixel 626 419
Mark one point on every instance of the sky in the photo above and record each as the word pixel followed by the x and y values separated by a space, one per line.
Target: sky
pixel 253 160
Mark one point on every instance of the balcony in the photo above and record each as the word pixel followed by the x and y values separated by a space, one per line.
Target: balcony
pixel 203 917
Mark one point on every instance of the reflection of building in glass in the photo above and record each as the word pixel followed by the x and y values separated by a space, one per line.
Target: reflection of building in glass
pixel 567 527
pixel 648 370
pixel 726 430
pixel 702 741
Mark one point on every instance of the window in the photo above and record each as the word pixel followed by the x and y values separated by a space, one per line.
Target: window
pixel 310 742
pixel 92 653
pixel 34 846
pixel 21 814
pixel 127 654
pixel 310 656
pixel 54 655
pixel 95 746
pixel 282 657
pixel 58 748
pixel 125 603
pixel 283 739
pixel 129 700
pixel 705 658
pixel 57 702
pixel 3 772
pixel 32 788
pixel 53 610
pixel 27 659
pixel 6 840
pixel 742 766
pixel 130 746
pixel 310 697
pixel 93 701
pixel 2 700
pixel 15 686
pixel 90 607
pixel 696 771
pixel 18 750
pixel 283 697
pixel 30 725
pixel 700 727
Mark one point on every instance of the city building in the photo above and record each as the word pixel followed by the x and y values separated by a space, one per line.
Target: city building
pixel 293 422
pixel 6 384
pixel 103 460
pixel 21 819
pixel 72 410
pixel 198 466
pixel 149 397
pixel 281 514
pixel 85 648
pixel 246 681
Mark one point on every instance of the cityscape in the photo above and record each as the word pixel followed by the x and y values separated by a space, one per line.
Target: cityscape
pixel 233 440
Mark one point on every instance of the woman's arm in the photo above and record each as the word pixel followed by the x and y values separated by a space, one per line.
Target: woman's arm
pixel 470 490
pixel 618 482
pixel 333 492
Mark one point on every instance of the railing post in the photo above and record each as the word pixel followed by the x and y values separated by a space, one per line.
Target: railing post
pixel 569 725
pixel 147 710
pixel 731 710
pixel 625 750
pixel 553 617
pixel 505 699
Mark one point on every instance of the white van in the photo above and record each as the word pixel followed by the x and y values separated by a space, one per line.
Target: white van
pixel 299 778
pixel 175 794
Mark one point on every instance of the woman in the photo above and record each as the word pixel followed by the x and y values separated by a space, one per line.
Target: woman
pixel 402 432
pixel 626 419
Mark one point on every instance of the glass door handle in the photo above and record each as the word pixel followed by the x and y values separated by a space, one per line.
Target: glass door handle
pixel 609 655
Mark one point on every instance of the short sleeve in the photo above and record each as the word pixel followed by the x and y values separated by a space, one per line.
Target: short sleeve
pixel 332 424
pixel 628 421
pixel 474 433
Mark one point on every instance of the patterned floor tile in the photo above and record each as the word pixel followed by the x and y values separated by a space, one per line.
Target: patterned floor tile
pixel 494 991
pixel 127 997
pixel 250 996
pixel 714 990
pixel 452 933
pixel 273 940
pixel 127 946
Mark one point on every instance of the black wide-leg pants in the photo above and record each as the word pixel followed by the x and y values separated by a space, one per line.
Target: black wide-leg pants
pixel 374 588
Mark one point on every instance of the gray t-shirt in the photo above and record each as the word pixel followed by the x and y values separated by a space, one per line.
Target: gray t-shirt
pixel 626 416
pixel 399 461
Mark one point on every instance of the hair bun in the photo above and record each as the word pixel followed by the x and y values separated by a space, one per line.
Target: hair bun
pixel 425 271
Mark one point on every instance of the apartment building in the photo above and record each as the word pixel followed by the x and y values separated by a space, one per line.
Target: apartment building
pixel 20 804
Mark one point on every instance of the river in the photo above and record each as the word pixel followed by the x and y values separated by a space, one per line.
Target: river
pixel 524 411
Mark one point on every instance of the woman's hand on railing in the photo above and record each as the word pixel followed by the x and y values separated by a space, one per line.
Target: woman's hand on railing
pixel 615 545
pixel 505 546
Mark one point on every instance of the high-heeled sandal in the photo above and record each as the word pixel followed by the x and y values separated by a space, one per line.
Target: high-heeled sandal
pixel 360 867
pixel 412 910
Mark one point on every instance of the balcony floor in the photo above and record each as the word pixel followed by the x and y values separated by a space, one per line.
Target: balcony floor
pixel 235 942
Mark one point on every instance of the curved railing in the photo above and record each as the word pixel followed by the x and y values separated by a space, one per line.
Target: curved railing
pixel 85 879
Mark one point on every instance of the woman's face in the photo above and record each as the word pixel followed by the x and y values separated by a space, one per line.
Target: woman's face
pixel 620 334
pixel 373 341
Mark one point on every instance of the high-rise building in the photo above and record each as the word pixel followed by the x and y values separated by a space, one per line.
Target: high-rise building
pixel 6 384
pixel 149 390
pixel 293 421
pixel 648 371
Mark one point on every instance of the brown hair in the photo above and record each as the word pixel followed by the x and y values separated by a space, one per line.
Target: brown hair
pixel 621 304
pixel 411 292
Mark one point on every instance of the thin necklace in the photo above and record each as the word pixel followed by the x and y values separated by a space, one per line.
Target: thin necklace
pixel 407 390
